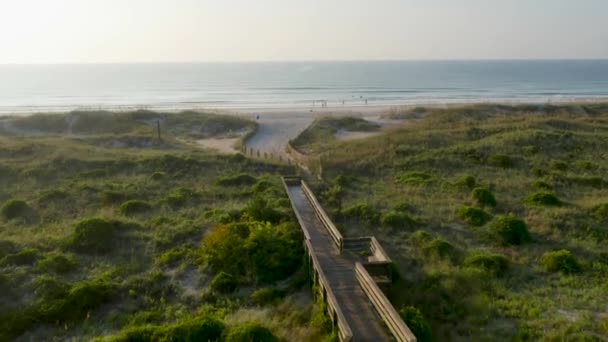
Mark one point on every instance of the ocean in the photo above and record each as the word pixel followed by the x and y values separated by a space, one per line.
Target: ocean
pixel 234 86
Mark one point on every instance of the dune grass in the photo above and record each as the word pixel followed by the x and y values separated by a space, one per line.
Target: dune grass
pixel 115 250
pixel 491 192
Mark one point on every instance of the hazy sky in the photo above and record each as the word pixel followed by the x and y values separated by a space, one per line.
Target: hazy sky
pixel 84 31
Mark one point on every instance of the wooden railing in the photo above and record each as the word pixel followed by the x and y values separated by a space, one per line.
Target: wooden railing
pixel 325 220
pixel 333 309
pixel 384 308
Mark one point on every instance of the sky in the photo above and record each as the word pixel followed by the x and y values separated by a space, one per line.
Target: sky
pixel 130 31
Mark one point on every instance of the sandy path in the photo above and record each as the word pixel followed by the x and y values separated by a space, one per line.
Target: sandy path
pixel 275 131
pixel 221 145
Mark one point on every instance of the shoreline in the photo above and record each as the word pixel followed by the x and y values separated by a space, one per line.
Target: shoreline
pixel 362 108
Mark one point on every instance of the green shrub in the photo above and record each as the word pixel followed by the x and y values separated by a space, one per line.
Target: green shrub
pixel 540 185
pixel 93 235
pixel 237 180
pixel 134 207
pixel 414 320
pixel 261 186
pixel 600 212
pixel 13 209
pixel 251 332
pixel 559 165
pixel 440 248
pixel 500 160
pixel 419 237
pixel 259 209
pixel 179 197
pixel 80 300
pixel 224 283
pixel 267 296
pixel 257 251
pixel 363 213
pixel 560 261
pixel 483 196
pixel 473 216
pixel 26 256
pixel 173 256
pixel 414 177
pixel 198 329
pixel 403 207
pixel 57 262
pixel 494 263
pixel 396 219
pixel 542 199
pixel 158 176
pixel 466 181
pixel 47 288
pixel 509 230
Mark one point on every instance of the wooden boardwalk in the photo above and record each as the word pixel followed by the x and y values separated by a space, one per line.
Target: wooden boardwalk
pixel 339 270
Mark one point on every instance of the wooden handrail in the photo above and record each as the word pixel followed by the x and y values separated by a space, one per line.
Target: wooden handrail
pixel 378 250
pixel 331 228
pixel 386 310
pixel 344 329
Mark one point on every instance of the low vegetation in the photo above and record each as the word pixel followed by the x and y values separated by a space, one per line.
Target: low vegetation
pixel 111 238
pixel 510 212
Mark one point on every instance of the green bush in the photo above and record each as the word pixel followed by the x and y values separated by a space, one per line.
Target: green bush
pixel 500 160
pixel 440 248
pixel 251 332
pixel 540 185
pixel 158 176
pixel 173 256
pixel 57 262
pixel 134 207
pixel 267 296
pixel 560 261
pixel 509 230
pixel 47 288
pixel 415 177
pixel 473 216
pixel 397 220
pixel 403 207
pixel 559 165
pixel 483 196
pixel 542 199
pixel 13 209
pixel 179 197
pixel 466 181
pixel 80 300
pixel 419 237
pixel 600 212
pixel 93 235
pixel 494 263
pixel 26 256
pixel 259 252
pixel 237 180
pixel 261 186
pixel 416 322
pixel 259 209
pixel 363 213
pixel 224 283
pixel 198 329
